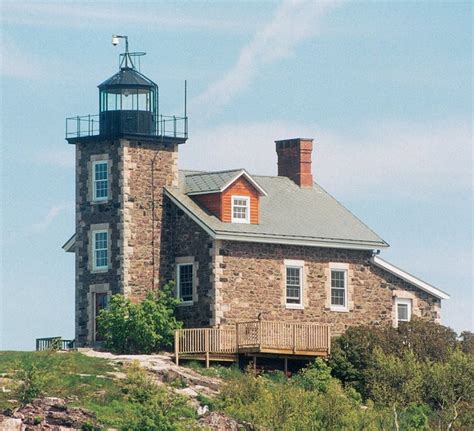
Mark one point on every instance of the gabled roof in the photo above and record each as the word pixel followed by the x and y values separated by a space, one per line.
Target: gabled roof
pixel 288 215
pixel 216 182
pixel 69 245
pixel 378 261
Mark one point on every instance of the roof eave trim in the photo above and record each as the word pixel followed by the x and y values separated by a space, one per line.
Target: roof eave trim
pixel 244 173
pixel 300 242
pixel 377 261
pixel 69 246
pixel 249 178
pixel 190 214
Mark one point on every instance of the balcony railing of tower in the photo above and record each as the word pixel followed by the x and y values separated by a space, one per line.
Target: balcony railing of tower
pixel 89 125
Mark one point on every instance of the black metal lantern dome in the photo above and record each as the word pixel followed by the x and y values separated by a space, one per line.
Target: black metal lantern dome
pixel 128 107
pixel 128 102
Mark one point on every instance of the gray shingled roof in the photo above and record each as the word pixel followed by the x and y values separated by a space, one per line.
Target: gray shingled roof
pixel 288 214
pixel 212 182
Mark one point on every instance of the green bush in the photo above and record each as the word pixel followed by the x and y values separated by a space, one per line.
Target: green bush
pixel 31 383
pixel 353 352
pixel 154 408
pixel 145 327
pixel 315 377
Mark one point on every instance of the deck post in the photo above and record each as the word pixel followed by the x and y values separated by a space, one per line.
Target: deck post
pixel 206 346
pixel 237 337
pixel 255 365
pixel 294 338
pixel 286 366
pixel 176 346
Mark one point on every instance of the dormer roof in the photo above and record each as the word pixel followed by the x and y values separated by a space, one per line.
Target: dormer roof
pixel 216 182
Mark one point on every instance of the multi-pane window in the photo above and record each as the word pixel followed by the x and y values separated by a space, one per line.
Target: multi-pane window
pixel 100 177
pixel 185 282
pixel 240 209
pixel 338 288
pixel 293 284
pixel 403 310
pixel 100 249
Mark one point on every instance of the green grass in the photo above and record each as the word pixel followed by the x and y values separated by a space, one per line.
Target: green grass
pixel 223 372
pixel 95 390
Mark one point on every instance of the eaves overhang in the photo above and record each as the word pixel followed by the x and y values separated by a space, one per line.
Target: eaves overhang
pixel 409 278
pixel 219 234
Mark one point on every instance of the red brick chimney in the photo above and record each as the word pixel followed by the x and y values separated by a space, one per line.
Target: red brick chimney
pixel 294 160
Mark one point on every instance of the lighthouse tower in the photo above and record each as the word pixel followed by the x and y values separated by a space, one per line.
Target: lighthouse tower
pixel 125 156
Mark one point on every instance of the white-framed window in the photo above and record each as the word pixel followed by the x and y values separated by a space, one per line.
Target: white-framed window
pixel 294 284
pixel 240 209
pixel 338 289
pixel 100 249
pixel 185 282
pixel 403 308
pixel 100 180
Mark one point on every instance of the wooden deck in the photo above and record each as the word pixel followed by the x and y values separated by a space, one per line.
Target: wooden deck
pixel 251 338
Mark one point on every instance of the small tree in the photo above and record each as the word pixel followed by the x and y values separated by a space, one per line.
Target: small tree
pixel 31 382
pixel 394 382
pixel 145 327
pixel 449 389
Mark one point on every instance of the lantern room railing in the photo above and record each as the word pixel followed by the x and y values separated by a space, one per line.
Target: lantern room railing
pixel 89 125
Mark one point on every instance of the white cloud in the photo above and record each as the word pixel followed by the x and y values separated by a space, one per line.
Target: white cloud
pixel 50 217
pixel 87 14
pixel 399 159
pixel 293 22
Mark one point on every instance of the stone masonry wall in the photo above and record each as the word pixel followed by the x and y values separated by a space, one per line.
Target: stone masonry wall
pixel 147 168
pixel 138 171
pixel 252 281
pixel 90 213
pixel 182 238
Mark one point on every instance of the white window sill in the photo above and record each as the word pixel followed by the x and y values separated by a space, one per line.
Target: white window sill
pixel 99 270
pixel 98 202
pixel 239 221
pixel 185 303
pixel 295 306
pixel 339 309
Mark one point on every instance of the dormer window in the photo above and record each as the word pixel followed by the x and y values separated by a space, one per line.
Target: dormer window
pixel 240 209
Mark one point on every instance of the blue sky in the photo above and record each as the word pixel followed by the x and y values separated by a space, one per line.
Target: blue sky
pixel 384 88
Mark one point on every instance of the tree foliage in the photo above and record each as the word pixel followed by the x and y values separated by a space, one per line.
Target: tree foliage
pixel 144 327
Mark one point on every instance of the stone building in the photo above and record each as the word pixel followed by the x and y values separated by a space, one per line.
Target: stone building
pixel 239 246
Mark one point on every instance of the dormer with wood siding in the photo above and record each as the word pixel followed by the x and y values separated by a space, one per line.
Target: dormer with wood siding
pixel 221 193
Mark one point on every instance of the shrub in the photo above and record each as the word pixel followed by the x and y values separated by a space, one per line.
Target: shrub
pixel 145 327
pixel 353 352
pixel 31 383
pixel 315 377
pixel 153 407
pixel 467 342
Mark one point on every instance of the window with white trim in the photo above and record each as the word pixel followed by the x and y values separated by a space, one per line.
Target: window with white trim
pixel 294 285
pixel 100 249
pixel 100 180
pixel 338 289
pixel 185 282
pixel 403 309
pixel 240 209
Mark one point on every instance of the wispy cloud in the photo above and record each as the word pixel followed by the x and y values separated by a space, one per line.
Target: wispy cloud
pixel 52 214
pixel 415 161
pixel 148 16
pixel 293 22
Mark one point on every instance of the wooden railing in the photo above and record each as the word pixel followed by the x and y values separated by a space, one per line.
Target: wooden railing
pixel 284 336
pixel 56 343
pixel 255 336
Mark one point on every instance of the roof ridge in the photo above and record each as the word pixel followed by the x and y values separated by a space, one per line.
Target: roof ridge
pixel 217 172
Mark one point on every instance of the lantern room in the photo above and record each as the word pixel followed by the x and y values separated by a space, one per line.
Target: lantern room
pixel 128 101
pixel 128 106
